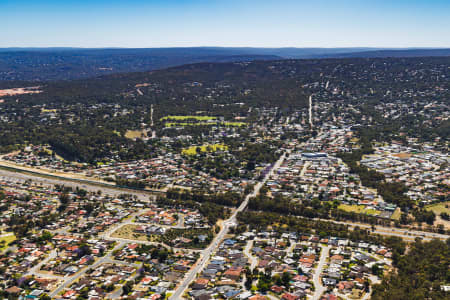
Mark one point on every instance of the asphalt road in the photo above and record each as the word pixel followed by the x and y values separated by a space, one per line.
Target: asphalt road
pixel 68 282
pixel 247 251
pixel 7 175
pixel 206 254
pixel 35 270
pixel 91 187
pixel 319 288
pixel 107 234
pixel 405 234
pixel 118 292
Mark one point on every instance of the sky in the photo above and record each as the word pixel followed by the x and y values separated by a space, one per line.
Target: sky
pixel 227 23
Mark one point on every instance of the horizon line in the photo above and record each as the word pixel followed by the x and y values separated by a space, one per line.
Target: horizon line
pixel 249 47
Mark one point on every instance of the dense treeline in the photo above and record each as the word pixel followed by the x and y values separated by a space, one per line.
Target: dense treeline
pixel 310 209
pixel 136 184
pixel 213 212
pixel 192 234
pixel 393 192
pixel 420 273
pixel 73 142
pixel 256 153
pixel 226 199
pixel 423 215
pixel 282 205
pixel 225 167
pixel 260 221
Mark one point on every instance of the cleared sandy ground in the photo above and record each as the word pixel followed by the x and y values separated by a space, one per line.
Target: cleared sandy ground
pixel 20 91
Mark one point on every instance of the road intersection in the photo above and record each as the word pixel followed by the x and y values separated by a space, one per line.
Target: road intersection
pixel 232 221
pixel 205 254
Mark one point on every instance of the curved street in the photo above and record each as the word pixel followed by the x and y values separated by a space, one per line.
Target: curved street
pixel 319 288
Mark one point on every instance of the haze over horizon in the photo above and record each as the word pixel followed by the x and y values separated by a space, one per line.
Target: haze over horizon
pixel 191 23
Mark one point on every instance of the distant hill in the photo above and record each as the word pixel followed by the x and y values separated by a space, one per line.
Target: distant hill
pixel 65 63
pixel 49 64
pixel 392 53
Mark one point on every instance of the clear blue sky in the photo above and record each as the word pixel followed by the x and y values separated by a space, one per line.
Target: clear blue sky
pixel 257 23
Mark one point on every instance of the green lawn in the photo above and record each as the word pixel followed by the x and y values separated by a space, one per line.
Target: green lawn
pixel 235 124
pixel 204 148
pixel 198 118
pixel 439 208
pixel 397 213
pixel 359 209
pixel 229 124
pixel 7 239
pixel 178 124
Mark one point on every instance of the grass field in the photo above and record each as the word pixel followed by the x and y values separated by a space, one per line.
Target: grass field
pixel 180 118
pixel 228 124
pixel 48 110
pixel 359 209
pixel 235 124
pixel 204 148
pixel 182 124
pixel 439 207
pixel 5 240
pixel 397 213
pixel 128 232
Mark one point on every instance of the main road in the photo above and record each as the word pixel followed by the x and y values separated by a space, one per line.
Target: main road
pixel 404 233
pixel 11 174
pixel 20 175
pixel 232 221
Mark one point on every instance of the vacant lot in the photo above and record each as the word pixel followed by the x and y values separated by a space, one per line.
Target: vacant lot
pixel 402 155
pixel 360 209
pixel 128 232
pixel 133 134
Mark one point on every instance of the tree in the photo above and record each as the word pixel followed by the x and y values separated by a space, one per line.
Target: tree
pixel 127 287
pixel 286 278
pixel 423 267
pixel 376 270
pixel 248 282
pixel 63 201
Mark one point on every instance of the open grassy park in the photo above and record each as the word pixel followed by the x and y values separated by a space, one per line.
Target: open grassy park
pixel 204 148
pixel 128 231
pixel 182 121
pixel 181 118
pixel 360 209
pixel 226 124
pixel 439 208
pixel 397 213
pixel 5 239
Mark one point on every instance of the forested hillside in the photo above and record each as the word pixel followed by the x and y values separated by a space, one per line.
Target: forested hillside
pixel 74 117
pixel 43 64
